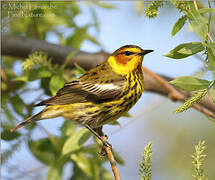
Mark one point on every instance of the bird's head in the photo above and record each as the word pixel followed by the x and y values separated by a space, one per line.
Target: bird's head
pixel 127 58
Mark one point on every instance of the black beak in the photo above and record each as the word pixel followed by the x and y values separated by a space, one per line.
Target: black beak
pixel 144 52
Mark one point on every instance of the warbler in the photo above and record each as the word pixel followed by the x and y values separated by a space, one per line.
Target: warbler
pixel 101 95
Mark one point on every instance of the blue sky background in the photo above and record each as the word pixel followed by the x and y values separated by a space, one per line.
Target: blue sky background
pixel 152 117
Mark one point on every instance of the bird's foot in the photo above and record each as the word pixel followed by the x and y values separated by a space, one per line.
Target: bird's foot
pixel 103 138
pixel 105 144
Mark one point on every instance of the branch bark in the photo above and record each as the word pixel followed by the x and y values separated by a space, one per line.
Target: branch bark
pixel 111 160
pixel 22 47
pixel 108 152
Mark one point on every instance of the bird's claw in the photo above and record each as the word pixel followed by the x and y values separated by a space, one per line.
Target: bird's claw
pixel 107 144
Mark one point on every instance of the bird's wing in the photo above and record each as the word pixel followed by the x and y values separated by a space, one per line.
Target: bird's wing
pixel 79 91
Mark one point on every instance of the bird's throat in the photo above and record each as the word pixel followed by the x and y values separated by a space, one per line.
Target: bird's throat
pixel 123 69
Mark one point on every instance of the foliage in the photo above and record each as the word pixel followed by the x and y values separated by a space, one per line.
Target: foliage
pixel 151 11
pixel 145 166
pixel 200 23
pixel 191 101
pixel 198 159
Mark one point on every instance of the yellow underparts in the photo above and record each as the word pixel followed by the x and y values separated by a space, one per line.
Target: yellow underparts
pixel 69 111
pixel 124 69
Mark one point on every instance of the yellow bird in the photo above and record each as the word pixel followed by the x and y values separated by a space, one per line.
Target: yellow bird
pixel 101 95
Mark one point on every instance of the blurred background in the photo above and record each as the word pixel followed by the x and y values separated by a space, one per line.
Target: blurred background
pixel 108 26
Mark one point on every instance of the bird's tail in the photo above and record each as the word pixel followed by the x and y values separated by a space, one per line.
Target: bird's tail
pixel 28 120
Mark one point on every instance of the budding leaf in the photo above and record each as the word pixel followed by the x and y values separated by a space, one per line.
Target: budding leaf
pixel 55 84
pixel 206 10
pixel 198 22
pixel 8 136
pixel 191 101
pixel 84 162
pixel 211 54
pixel 18 104
pixel 212 120
pixel 178 25
pixel 55 170
pixel 43 150
pixel 189 83
pixel 185 50
pixel 76 140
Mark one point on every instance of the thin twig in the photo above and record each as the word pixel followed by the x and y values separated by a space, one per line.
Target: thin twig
pixel 171 91
pixel 209 36
pixel 111 160
pixel 195 5
pixel 196 8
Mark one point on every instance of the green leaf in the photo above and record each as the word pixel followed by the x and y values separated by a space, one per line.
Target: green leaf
pixel 212 120
pixel 106 174
pixel 18 104
pixel 55 170
pixel 206 10
pixel 104 5
pixel 185 50
pixel 43 150
pixel 79 68
pixel 56 83
pixel 95 19
pixel 45 85
pixel 78 37
pixel 44 72
pixel 189 83
pixel 178 25
pixel 198 22
pixel 78 174
pixel 34 74
pixel 8 136
pixel 114 123
pixel 9 115
pixel 68 128
pixel 118 158
pixel 213 94
pixel 76 140
pixel 21 78
pixel 7 153
pixel 127 114
pixel 93 40
pixel 211 54
pixel 84 163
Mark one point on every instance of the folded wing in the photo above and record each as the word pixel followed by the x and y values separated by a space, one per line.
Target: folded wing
pixel 82 91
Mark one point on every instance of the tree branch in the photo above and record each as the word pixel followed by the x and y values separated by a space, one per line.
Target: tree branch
pixel 177 95
pixel 111 160
pixel 22 47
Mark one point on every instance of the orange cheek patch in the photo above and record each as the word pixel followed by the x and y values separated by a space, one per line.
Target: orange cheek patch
pixel 122 59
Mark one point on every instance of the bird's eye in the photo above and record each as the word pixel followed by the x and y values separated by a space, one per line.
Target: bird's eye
pixel 128 53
